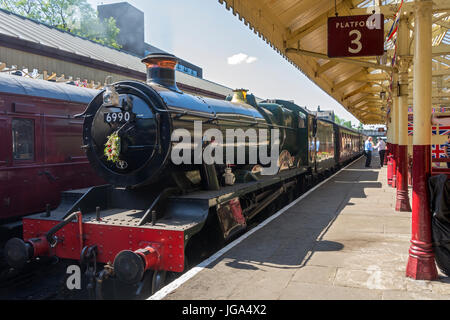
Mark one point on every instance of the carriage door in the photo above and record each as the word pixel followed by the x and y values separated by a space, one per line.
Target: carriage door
pixel 24 179
pixel 5 167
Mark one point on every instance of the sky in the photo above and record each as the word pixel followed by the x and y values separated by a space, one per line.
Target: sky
pixel 204 33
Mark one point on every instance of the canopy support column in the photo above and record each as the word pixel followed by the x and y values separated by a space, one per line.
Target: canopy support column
pixel 394 125
pixel 402 203
pixel 421 265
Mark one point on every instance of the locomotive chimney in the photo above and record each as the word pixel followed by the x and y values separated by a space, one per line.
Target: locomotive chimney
pixel 239 95
pixel 161 69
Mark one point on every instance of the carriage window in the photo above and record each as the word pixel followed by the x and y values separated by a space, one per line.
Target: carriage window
pixel 23 139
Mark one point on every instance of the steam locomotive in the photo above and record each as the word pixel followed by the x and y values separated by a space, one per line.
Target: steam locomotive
pixel 154 210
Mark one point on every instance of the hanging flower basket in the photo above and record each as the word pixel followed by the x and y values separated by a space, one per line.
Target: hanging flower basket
pixel 112 147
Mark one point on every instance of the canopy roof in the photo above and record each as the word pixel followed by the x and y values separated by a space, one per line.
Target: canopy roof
pixel 297 29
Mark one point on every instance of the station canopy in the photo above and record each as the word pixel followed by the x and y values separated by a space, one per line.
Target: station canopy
pixel 297 29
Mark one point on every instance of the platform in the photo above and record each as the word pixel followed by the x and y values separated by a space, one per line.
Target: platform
pixel 342 241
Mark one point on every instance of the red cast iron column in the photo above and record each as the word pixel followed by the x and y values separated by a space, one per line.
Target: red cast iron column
pixel 402 203
pixel 421 265
pixel 394 111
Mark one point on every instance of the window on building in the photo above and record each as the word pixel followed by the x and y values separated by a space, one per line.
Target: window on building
pixel 23 139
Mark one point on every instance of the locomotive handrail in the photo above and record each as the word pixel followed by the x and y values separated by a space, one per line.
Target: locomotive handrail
pixel 182 113
pixel 150 209
pixel 185 112
pixel 49 236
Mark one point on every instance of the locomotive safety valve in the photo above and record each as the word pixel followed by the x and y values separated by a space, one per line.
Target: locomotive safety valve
pixel 129 266
pixel 19 252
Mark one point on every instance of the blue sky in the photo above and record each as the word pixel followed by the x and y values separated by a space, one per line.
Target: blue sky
pixel 203 32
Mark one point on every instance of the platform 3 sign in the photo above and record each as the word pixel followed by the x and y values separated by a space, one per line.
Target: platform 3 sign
pixel 355 36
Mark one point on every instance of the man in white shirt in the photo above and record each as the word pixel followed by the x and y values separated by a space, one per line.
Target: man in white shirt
pixel 381 146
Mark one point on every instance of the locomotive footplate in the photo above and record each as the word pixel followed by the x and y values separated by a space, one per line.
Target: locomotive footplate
pixel 106 224
pixel 214 197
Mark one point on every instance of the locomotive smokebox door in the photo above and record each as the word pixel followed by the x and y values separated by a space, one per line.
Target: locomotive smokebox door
pixel 128 144
pixel 230 217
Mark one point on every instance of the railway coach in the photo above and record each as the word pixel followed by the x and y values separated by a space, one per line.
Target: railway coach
pixel 40 153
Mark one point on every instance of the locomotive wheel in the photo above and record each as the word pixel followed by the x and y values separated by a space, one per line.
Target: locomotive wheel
pixel 151 282
pixel 158 280
pixel 144 288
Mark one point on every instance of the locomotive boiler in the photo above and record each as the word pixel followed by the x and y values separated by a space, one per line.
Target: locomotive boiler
pixel 156 210
pixel 143 117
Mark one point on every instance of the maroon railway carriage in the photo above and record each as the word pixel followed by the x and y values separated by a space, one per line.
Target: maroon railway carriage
pixel 349 143
pixel 40 153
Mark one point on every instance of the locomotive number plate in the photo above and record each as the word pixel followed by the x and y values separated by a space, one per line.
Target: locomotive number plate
pixel 110 117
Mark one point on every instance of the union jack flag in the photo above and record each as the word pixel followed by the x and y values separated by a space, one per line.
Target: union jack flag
pixel 433 129
pixel 444 130
pixel 438 150
pixel 410 128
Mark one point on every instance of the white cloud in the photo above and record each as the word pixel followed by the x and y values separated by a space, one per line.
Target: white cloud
pixel 241 58
pixel 251 59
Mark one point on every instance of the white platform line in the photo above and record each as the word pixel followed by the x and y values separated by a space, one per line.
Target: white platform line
pixel 163 292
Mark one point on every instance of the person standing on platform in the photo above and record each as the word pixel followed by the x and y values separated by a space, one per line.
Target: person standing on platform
pixel 381 146
pixel 368 148
pixel 447 150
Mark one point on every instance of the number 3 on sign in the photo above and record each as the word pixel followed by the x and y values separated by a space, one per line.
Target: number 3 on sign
pixel 355 41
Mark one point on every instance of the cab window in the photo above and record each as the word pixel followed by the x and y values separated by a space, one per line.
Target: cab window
pixel 23 139
pixel 301 120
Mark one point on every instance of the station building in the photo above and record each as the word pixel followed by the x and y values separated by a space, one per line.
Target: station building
pixel 55 55
pixel 131 37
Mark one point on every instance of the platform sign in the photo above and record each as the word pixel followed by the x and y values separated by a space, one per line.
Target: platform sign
pixel 355 36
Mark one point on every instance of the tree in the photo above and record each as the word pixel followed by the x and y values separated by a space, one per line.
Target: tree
pixel 337 120
pixel 347 124
pixel 75 16
pixel 342 122
pixel 26 8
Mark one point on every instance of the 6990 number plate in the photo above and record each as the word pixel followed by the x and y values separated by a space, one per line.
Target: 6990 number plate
pixel 111 117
